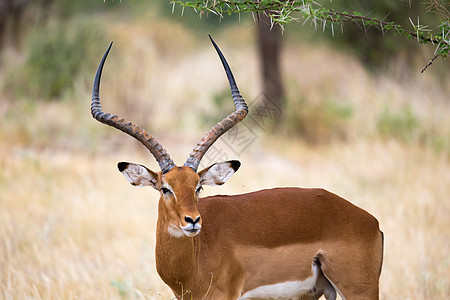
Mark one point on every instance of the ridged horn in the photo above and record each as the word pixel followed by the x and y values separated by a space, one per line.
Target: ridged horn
pixel 160 154
pixel 241 112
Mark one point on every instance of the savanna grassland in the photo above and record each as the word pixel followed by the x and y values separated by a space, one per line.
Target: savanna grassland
pixel 71 227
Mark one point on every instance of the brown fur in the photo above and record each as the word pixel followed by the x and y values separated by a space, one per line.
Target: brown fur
pixel 265 237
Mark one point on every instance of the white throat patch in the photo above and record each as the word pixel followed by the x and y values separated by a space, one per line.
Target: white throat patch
pixel 175 231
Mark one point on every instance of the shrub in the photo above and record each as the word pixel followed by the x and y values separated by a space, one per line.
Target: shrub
pixel 400 125
pixel 55 56
pixel 318 122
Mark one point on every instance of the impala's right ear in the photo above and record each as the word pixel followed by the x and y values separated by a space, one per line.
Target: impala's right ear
pixel 138 175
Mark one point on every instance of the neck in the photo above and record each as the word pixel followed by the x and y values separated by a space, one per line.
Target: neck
pixel 176 260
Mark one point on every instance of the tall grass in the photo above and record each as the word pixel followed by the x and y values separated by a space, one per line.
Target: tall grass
pixel 72 228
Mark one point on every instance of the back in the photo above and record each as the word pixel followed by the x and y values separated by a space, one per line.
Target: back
pixel 283 216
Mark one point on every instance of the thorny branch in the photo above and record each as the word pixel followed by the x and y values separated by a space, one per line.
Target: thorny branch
pixel 283 12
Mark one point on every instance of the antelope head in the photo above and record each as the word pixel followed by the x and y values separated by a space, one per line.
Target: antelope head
pixel 179 186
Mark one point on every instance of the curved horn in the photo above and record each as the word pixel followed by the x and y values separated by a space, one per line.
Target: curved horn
pixel 241 112
pixel 162 157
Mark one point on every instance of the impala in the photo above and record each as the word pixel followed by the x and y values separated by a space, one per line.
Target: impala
pixel 283 243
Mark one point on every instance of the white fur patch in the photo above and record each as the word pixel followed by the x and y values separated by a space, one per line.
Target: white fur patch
pixel 217 174
pixel 175 231
pixel 191 230
pixel 138 175
pixel 283 290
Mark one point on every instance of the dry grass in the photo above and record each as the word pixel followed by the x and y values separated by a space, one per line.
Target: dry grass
pixel 72 228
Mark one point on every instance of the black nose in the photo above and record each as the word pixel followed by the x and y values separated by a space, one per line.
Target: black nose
pixel 190 220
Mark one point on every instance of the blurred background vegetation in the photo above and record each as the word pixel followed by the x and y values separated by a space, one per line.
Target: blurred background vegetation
pixel 49 47
pixel 357 117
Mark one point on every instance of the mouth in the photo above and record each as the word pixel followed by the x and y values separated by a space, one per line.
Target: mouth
pixel 191 231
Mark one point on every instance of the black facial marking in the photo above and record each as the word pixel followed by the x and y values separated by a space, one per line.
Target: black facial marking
pixel 165 191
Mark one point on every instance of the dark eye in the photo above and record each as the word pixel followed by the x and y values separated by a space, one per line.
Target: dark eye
pixel 199 190
pixel 166 191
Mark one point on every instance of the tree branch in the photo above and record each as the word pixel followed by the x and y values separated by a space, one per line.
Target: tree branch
pixel 282 12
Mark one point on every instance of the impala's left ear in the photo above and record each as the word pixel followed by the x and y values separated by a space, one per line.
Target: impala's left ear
pixel 219 173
